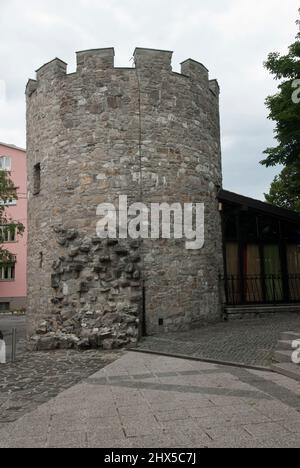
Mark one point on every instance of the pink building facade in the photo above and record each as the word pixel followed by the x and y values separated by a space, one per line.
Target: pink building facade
pixel 13 277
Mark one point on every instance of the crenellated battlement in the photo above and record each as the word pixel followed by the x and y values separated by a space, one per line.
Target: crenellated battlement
pixel 195 70
pixel 31 87
pixel 95 59
pixel 153 59
pixel 53 69
pixel 214 87
pixel 149 61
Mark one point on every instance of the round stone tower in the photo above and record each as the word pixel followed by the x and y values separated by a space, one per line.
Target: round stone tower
pixel 145 132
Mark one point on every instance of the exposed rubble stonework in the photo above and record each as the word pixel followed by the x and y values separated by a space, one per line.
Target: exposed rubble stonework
pixel 93 135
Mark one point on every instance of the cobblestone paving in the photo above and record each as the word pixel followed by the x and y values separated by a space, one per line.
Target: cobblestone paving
pixel 37 377
pixel 161 402
pixel 245 341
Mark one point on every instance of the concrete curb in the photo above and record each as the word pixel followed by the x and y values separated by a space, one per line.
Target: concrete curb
pixel 208 361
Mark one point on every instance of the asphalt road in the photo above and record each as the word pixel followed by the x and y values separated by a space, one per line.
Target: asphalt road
pixel 7 323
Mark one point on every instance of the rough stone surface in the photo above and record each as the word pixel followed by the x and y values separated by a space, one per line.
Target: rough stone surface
pixel 99 133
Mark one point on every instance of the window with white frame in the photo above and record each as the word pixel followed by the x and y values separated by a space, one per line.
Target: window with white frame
pixel 8 233
pixel 7 271
pixel 5 163
pixel 10 202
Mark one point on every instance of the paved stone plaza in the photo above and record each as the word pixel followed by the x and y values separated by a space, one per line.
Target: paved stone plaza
pixel 37 377
pixel 155 401
pixel 50 398
pixel 247 341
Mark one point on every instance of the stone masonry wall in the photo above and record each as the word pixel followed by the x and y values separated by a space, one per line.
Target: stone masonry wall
pixel 145 132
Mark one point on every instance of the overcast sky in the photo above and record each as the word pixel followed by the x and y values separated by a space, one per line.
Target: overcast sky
pixel 231 37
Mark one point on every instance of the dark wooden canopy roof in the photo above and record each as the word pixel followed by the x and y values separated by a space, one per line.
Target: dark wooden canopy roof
pixel 263 207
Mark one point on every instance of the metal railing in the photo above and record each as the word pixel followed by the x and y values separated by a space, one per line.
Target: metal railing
pixel 294 287
pixel 13 335
pixel 262 289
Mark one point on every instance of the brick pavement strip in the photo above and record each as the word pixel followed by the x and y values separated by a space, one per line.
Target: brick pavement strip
pixel 151 401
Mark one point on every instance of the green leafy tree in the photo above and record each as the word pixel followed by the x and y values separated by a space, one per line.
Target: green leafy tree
pixel 8 192
pixel 286 113
pixel 285 189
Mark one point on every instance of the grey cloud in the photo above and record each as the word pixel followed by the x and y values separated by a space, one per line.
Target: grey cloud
pixel 231 37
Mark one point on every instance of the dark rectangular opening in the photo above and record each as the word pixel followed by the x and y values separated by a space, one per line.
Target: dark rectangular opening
pixel 37 179
pixel 144 325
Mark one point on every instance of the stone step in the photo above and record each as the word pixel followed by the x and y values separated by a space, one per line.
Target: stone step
pixel 238 312
pixel 288 369
pixel 290 336
pixel 284 345
pixel 254 309
pixel 283 356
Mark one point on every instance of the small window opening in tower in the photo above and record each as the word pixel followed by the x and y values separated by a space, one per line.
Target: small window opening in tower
pixel 37 179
